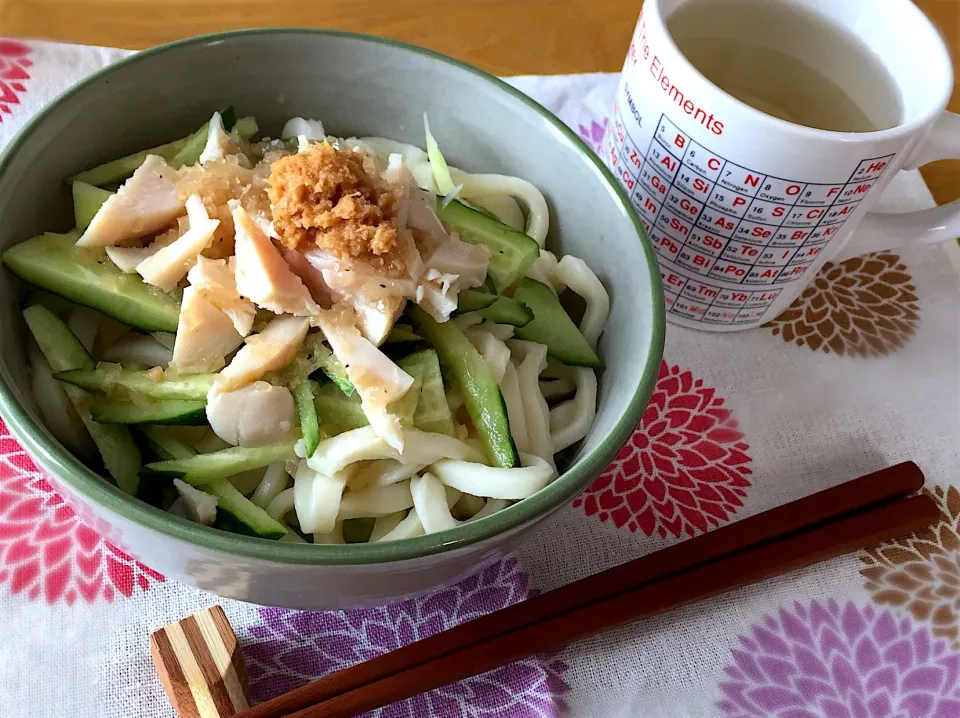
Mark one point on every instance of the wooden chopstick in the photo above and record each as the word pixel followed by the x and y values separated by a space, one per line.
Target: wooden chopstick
pixel 870 490
pixel 798 550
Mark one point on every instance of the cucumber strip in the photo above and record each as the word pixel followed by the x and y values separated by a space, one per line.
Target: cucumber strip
pixel 155 441
pixel 508 311
pixel 303 395
pixel 190 153
pixel 118 170
pixel 552 326
pixel 109 377
pixel 336 409
pixel 477 383
pixel 433 412
pixel 56 304
pixel 237 513
pixel 470 300
pixel 164 446
pixel 59 345
pixel 63 351
pixel 246 127
pixel 346 412
pixel 204 468
pixel 314 355
pixel 172 412
pixel 511 252
pixel 331 366
pixel 438 165
pixel 51 262
pixel 400 334
pixel 86 202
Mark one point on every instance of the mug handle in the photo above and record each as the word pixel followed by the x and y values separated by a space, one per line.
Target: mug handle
pixel 937 224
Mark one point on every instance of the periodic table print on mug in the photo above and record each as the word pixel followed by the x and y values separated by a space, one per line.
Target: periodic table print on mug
pixel 742 206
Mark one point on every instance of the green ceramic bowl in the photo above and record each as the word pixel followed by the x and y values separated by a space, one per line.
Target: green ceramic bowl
pixel 357 85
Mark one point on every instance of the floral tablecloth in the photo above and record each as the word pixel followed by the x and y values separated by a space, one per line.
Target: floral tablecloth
pixel 862 372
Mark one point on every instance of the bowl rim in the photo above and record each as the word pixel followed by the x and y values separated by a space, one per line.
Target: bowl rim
pixel 94 488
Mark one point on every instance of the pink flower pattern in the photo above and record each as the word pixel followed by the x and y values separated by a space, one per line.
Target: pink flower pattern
pixel 13 72
pixel 294 647
pixel 46 551
pixel 841 662
pixel 685 469
pixel 593 135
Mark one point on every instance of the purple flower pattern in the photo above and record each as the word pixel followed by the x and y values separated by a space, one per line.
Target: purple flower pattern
pixel 293 647
pixel 841 662
pixel 593 135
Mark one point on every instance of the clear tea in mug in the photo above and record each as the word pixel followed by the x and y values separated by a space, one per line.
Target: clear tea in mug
pixel 788 62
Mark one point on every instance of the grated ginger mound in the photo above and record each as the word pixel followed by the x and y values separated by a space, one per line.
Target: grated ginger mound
pixel 333 200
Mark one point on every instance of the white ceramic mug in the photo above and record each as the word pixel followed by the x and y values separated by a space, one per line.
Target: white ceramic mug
pixel 743 208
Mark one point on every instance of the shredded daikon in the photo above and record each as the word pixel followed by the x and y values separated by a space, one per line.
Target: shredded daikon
pixel 571 420
pixel 575 273
pixel 493 482
pixel 468 506
pixel 317 499
pixel 557 388
pixel 274 480
pixel 363 444
pixel 510 388
pixel 381 472
pixel 533 359
pixel 430 501
pixel 486 185
pixel 491 507
pixel 376 502
pixel 383 525
pixel 335 537
pixel 281 504
pixel 408 528
pixel 494 352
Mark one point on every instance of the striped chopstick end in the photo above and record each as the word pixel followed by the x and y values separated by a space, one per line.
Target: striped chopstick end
pixel 199 663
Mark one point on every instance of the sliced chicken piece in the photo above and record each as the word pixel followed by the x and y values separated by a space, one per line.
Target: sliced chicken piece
pixel 263 276
pixel 422 213
pixel 146 203
pixel 271 349
pixel 134 351
pixel 311 130
pixel 205 335
pixel 215 278
pixel 128 259
pixel 377 300
pixel 254 415
pixel 354 277
pixel 456 257
pixel 311 277
pixel 198 506
pixel 376 319
pixel 218 141
pixel 377 379
pixel 435 301
pixel 168 266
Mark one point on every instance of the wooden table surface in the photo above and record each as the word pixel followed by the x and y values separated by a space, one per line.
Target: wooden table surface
pixel 506 37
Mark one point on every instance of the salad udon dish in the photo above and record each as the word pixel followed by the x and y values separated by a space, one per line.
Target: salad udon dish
pixel 311 338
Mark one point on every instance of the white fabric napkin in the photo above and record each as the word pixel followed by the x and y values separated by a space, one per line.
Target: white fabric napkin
pixel 865 374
